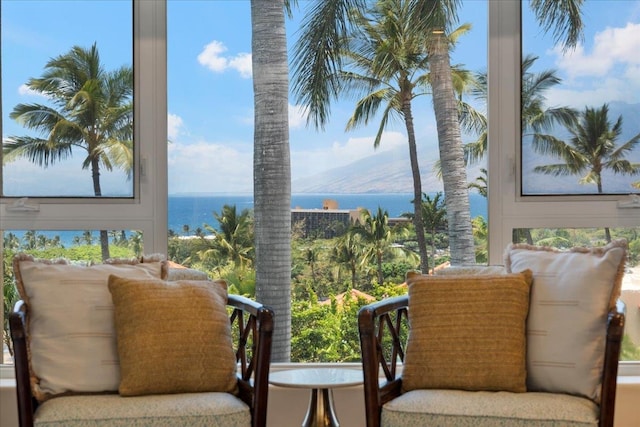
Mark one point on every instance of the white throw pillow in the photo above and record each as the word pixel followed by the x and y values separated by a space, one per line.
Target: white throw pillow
pixel 72 340
pixel 571 295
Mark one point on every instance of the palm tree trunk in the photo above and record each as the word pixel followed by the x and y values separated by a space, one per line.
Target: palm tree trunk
pixel 97 191
pixel 272 169
pixel 418 222
pixel 380 272
pixel 454 174
pixel 607 231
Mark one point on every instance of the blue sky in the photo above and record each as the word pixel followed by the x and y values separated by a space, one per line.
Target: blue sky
pixel 210 89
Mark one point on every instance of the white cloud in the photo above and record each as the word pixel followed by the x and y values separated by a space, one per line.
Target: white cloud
pixel 174 126
pixel 297 116
pixel 610 71
pixel 25 90
pixel 212 57
pixel 242 63
pixel 611 47
pixel 209 167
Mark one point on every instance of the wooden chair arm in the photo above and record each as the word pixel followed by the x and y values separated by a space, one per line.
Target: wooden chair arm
pixel 615 332
pixel 252 325
pixel 382 327
pixel 26 402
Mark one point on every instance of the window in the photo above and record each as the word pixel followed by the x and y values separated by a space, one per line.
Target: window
pixel 60 200
pixel 88 106
pixel 512 203
pixel 580 121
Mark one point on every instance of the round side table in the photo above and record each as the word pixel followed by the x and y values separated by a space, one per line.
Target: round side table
pixel 321 380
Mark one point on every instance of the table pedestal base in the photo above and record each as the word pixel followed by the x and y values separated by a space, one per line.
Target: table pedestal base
pixel 321 412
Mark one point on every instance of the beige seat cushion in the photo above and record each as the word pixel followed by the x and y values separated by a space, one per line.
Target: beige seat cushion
pixel 571 295
pixel 467 332
pixel 173 337
pixel 72 342
pixel 457 408
pixel 175 410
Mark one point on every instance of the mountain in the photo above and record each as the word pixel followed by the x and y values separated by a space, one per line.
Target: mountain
pixel 384 172
pixel 390 171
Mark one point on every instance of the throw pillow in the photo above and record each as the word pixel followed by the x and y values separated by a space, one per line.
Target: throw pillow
pixel 173 337
pixel 571 295
pixel 467 332
pixel 71 337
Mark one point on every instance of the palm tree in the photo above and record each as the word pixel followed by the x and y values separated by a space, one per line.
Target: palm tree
pixel 481 235
pixel 377 236
pixel 272 168
pixel 392 75
pixel 348 251
pixel 590 150
pixel 435 19
pixel 480 183
pixel 234 240
pixel 434 212
pixel 93 112
pixel 11 242
pixel 535 116
pixel 311 257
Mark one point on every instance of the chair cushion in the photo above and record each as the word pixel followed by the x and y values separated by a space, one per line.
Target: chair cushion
pixel 488 409
pixel 176 410
pixel 173 337
pixel 571 295
pixel 467 332
pixel 72 342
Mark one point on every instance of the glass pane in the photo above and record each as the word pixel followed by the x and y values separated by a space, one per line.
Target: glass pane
pixel 67 98
pixel 334 172
pixel 581 105
pixel 567 238
pixel 74 245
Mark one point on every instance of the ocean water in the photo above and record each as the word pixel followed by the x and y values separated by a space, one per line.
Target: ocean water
pixel 195 211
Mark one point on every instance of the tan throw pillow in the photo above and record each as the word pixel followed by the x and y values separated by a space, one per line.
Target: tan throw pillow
pixel 71 337
pixel 571 295
pixel 467 332
pixel 173 337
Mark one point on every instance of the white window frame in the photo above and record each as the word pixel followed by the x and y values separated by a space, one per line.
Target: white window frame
pixel 507 209
pixel 147 210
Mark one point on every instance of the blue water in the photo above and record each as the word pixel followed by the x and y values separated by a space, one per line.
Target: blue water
pixel 195 211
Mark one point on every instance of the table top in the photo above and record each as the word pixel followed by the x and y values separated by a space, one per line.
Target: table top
pixel 316 378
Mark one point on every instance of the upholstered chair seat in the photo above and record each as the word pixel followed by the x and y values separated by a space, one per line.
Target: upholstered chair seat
pixel 488 409
pixel 176 410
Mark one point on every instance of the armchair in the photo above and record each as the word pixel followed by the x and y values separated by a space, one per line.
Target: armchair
pixel 252 328
pixel 572 303
pixel 383 349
